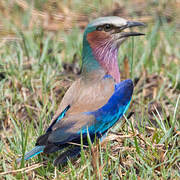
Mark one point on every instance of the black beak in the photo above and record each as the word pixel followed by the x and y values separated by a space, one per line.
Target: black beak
pixel 129 25
pixel 134 23
pixel 127 34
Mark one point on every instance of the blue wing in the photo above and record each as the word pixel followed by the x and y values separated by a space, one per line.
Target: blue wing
pixel 115 108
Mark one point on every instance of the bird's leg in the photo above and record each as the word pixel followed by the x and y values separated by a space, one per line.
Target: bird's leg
pixel 69 154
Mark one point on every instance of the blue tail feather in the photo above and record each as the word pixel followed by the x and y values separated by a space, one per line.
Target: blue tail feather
pixel 35 151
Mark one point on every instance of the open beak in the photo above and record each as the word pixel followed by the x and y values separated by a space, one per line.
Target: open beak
pixel 129 25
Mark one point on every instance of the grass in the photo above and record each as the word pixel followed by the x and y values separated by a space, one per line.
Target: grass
pixel 39 60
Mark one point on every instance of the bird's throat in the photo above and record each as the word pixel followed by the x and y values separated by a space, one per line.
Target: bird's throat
pixel 108 59
pixel 100 55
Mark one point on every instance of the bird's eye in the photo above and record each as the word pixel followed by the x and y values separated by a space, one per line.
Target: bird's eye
pixel 108 27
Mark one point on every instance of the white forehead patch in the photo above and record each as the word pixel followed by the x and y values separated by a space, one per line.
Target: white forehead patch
pixel 115 20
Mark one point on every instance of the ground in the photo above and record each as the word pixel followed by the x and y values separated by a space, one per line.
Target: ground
pixel 40 53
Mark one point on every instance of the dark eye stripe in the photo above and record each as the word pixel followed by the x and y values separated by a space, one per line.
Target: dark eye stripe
pixel 99 28
pixel 105 27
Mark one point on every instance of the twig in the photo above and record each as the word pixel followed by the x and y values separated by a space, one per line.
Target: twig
pixel 26 169
pixel 76 144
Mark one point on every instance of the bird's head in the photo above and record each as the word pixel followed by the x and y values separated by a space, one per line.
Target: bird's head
pixel 101 41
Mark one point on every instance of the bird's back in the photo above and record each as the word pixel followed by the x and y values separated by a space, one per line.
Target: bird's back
pixel 87 94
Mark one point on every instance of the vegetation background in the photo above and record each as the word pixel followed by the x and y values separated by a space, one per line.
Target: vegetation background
pixel 40 53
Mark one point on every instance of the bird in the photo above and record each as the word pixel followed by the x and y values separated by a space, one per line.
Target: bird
pixel 98 99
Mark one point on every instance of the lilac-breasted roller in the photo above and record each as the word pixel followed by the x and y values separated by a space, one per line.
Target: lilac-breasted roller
pixel 97 100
